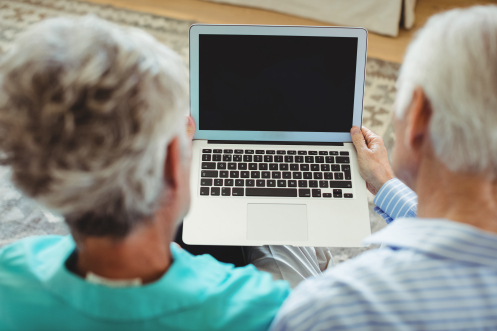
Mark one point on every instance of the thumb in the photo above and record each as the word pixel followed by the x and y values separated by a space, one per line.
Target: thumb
pixel 358 138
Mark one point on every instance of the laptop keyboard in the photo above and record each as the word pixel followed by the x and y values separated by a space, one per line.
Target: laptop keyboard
pixel 275 173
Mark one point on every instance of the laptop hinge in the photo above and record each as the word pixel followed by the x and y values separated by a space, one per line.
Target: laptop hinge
pixel 250 142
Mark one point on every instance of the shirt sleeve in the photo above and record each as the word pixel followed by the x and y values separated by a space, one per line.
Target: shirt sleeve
pixel 395 200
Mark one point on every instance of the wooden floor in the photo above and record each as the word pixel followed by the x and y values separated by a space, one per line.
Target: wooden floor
pixel 386 48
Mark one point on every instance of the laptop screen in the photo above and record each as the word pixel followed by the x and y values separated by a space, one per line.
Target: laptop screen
pixel 276 83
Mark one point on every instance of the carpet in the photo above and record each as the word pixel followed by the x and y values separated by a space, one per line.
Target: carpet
pixel 20 217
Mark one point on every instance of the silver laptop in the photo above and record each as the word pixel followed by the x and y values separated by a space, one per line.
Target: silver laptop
pixel 273 161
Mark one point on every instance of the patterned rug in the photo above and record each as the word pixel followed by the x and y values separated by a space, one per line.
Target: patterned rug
pixel 20 217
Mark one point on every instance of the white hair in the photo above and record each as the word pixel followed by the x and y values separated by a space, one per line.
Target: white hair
pixel 87 109
pixel 454 60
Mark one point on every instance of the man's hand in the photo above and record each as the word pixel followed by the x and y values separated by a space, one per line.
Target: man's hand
pixel 372 158
pixel 190 127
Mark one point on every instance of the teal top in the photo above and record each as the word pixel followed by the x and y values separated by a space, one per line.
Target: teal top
pixel 37 292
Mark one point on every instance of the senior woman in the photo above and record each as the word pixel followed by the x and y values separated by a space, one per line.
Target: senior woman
pixel 92 125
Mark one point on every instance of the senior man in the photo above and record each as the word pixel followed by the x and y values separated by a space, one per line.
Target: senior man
pixel 437 269
pixel 92 124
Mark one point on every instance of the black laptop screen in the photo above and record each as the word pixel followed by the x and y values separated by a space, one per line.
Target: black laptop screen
pixel 276 83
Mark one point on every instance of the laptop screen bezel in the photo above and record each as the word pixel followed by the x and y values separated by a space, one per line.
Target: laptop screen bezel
pixel 280 136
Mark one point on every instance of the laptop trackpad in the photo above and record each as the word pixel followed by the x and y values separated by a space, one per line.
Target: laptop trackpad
pixel 268 221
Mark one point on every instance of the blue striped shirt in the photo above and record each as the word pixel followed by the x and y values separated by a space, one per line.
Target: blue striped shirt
pixel 431 274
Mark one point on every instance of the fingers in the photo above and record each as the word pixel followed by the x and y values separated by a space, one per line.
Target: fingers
pixel 357 138
pixel 370 136
pixel 190 127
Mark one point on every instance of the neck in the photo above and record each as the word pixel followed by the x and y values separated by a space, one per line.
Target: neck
pixel 143 254
pixel 464 198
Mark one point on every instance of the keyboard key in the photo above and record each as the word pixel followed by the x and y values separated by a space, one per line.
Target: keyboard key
pixel 281 183
pixel 249 151
pixel 340 184
pixel 313 183
pixel 228 182
pixel 260 183
pixel 257 158
pixel 294 167
pixel 215 190
pixel 259 151
pixel 247 158
pixel 304 192
pixel 291 152
pixel 204 191
pixel 281 152
pixel 326 195
pixel 330 159
pixel 328 175
pixel 208 165
pixel 334 153
pixel 255 174
pixel 338 175
pixel 302 152
pixel 269 152
pixel 323 153
pixel 344 153
pixel 307 175
pixel 313 153
pixel 335 167
pixel 262 166
pixel 348 195
pixel 252 166
pixel 237 158
pixel 337 193
pixel 318 175
pixel 299 159
pixel 287 174
pixel 283 166
pixel 315 167
pixel 226 191
pixel 342 159
pixel 271 192
pixel 228 151
pixel 276 174
pixel 206 182
pixel 319 159
pixel 271 183
pixel 232 166
pixel 221 165
pixel 316 193
pixel 292 183
pixel 234 174
pixel 218 151
pixel 244 174
pixel 347 175
pixel 218 182
pixel 278 158
pixel 206 157
pixel 323 184
pixel 273 166
pixel 242 166
pixel 289 159
pixel 207 151
pixel 345 167
pixel 238 151
pixel 265 174
pixel 216 157
pixel 304 167
pixel 211 173
pixel 250 182
pixel 239 182
pixel 302 183
pixel 295 175
pixel 309 159
pixel 268 158
pixel 238 191
pixel 224 174
pixel 325 167
pixel 227 157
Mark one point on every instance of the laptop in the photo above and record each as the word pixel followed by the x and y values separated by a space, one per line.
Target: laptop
pixel 273 162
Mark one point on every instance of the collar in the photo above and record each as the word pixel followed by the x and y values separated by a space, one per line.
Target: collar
pixel 441 237
pixel 183 286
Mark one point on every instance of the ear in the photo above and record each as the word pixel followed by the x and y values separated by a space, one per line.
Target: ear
pixel 172 164
pixel 418 120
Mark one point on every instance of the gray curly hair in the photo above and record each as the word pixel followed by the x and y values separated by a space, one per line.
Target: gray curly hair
pixel 87 109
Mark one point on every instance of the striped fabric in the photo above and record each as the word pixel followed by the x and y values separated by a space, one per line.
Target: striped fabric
pixel 431 274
